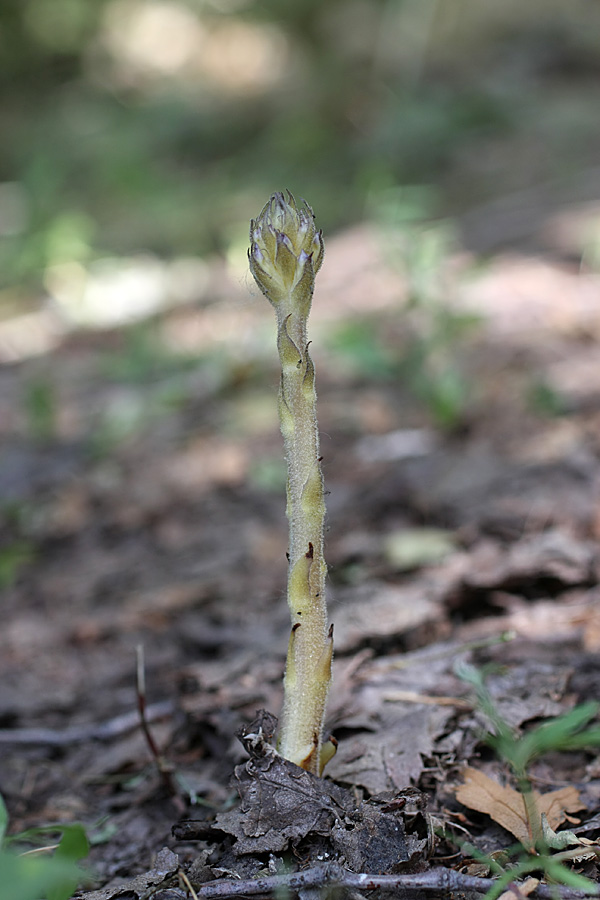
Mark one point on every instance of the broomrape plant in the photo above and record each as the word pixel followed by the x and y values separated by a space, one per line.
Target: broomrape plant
pixel 286 252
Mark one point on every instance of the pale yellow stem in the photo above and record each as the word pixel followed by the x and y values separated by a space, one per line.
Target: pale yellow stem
pixel 285 254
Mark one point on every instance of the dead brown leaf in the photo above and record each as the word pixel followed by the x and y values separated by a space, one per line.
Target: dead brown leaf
pixel 517 892
pixel 507 807
pixel 280 802
pixel 165 867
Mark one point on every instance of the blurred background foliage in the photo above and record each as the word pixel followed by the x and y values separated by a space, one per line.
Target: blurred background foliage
pixel 161 126
pixel 140 136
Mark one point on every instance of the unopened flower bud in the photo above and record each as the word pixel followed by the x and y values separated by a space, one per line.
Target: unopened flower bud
pixel 286 251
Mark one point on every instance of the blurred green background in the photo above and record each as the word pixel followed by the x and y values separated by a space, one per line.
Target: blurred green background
pixel 161 126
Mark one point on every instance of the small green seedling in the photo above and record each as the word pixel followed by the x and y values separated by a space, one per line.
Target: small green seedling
pixel 286 252
pixel 570 731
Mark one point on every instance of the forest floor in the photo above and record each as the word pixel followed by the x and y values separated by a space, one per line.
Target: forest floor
pixel 142 505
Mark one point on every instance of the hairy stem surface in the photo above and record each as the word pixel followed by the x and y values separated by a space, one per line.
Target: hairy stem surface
pixel 285 253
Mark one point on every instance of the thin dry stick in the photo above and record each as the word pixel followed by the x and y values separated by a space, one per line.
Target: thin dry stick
pixel 94 731
pixel 333 875
pixel 162 765
pixel 426 699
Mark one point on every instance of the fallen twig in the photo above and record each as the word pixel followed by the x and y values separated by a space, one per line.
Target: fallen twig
pixel 445 882
pixel 426 699
pixel 78 734
pixel 333 875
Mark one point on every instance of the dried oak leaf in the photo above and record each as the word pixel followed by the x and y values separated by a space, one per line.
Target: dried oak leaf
pixel 145 885
pixel 280 804
pixel 507 807
pixel 372 840
pixel 520 891
pixel 388 833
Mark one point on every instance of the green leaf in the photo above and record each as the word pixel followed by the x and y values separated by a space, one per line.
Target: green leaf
pixel 558 734
pixel 589 738
pixel 63 873
pixel 562 875
pixel 33 877
pixel 73 846
pixel 3 819
pixel 558 840
pixel 12 558
pixel 74 843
